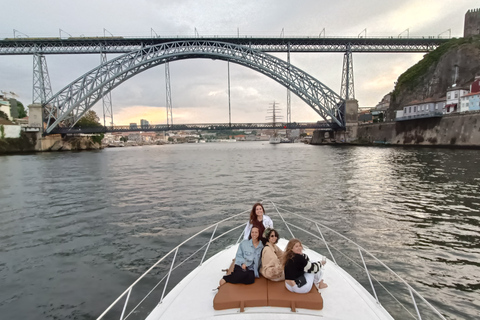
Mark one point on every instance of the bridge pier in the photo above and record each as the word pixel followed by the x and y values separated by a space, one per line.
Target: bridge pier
pixel 35 121
pixel 345 136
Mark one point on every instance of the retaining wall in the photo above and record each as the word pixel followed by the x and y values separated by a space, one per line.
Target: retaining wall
pixel 450 130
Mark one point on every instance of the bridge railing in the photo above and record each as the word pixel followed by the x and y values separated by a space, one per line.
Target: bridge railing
pixel 197 126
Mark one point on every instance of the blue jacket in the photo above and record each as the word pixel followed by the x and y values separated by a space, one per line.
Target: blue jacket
pixel 249 255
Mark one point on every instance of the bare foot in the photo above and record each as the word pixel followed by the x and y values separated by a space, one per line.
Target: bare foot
pixel 291 283
pixel 322 285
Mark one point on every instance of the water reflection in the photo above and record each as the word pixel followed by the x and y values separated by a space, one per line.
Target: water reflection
pixel 96 220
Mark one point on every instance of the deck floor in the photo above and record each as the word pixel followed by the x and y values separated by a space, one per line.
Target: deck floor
pixel 193 297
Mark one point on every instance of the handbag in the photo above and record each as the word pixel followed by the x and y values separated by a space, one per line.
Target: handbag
pixel 301 281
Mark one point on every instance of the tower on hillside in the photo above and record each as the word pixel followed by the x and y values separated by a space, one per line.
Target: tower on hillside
pixel 472 23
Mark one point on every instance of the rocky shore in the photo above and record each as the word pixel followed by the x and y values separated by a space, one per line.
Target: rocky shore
pixel 28 142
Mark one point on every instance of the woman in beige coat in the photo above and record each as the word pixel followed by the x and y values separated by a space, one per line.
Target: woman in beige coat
pixel 272 268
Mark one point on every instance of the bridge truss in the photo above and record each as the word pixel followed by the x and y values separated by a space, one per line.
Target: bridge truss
pixel 71 103
pixel 200 127
pixel 22 46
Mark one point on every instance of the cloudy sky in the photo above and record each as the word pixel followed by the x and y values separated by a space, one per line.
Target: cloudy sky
pixel 199 87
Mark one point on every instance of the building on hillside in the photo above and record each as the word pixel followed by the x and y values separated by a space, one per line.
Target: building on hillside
pixel 453 98
pixel 470 102
pixel 475 86
pixel 365 117
pixel 421 109
pixel 471 23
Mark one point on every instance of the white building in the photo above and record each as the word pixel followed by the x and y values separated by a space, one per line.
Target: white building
pixel 421 109
pixel 453 99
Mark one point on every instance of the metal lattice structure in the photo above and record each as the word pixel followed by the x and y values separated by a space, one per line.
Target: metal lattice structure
pixel 42 89
pixel 347 90
pixel 82 45
pixel 71 103
pixel 197 126
pixel 107 99
pixel 289 100
pixel 168 95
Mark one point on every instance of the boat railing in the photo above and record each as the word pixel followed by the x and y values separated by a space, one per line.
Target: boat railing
pixel 172 267
pixel 330 246
pixel 320 236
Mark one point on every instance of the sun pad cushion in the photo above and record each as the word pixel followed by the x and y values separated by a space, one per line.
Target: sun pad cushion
pixel 230 296
pixel 279 296
pixel 264 293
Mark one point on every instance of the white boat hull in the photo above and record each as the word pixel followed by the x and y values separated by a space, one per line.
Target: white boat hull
pixel 193 297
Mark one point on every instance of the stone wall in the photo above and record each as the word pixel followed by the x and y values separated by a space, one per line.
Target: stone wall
pixel 461 130
pixel 11 131
pixel 25 143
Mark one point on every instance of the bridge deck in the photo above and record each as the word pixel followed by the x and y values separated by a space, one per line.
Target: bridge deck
pixel 85 45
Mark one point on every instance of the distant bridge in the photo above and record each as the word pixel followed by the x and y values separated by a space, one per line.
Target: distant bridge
pixel 199 127
pixel 104 45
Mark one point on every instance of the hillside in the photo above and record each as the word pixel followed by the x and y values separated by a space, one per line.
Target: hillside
pixel 432 75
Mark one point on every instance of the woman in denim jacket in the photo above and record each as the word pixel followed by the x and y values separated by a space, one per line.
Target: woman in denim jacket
pixel 247 260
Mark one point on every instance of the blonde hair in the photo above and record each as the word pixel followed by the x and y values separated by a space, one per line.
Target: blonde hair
pixel 288 254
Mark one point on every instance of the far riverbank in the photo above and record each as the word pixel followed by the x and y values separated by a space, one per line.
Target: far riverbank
pixel 452 131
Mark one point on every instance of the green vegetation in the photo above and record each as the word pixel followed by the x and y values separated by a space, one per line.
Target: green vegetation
pixel 26 142
pixel 98 138
pixel 22 113
pixel 90 119
pixel 413 76
pixel 2 132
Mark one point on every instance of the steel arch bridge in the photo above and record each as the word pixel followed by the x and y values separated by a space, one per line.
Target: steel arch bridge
pixel 67 106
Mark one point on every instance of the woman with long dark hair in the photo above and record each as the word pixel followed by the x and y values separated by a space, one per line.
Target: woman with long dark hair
pixel 247 260
pixel 259 219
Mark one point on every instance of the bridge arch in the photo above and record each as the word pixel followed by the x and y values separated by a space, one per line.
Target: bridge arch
pixel 71 103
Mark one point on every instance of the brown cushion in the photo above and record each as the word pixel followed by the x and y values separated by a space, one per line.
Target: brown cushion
pixel 230 296
pixel 279 296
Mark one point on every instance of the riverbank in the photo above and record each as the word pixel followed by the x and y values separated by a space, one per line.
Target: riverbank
pixel 29 142
pixel 453 131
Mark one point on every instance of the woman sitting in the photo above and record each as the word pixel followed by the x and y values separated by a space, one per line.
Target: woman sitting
pixel 259 219
pixel 272 268
pixel 247 260
pixel 300 273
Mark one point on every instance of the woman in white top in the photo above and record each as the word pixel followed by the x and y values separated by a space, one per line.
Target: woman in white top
pixel 259 219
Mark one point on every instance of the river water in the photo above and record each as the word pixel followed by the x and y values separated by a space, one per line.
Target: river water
pixel 76 228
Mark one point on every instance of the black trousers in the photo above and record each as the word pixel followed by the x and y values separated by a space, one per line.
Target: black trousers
pixel 240 276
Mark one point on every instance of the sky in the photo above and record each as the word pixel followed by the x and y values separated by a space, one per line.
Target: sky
pixel 199 87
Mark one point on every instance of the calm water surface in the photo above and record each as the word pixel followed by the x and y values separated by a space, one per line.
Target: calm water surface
pixel 76 228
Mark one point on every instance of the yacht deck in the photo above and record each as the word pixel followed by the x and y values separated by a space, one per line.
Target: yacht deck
pixel 193 297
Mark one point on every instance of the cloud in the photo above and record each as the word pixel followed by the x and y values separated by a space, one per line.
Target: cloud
pixel 199 86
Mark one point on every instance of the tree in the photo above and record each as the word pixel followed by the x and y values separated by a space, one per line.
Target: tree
pixel 90 119
pixel 22 113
